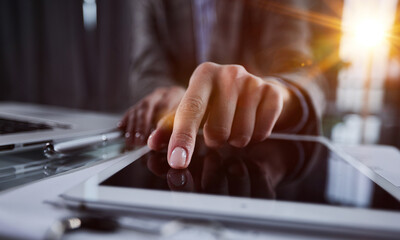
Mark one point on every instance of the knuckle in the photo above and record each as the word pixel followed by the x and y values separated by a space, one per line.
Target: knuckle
pixel 247 81
pixel 272 91
pixel 275 91
pixel 140 113
pixel 203 73
pixel 192 105
pixel 132 109
pixel 184 138
pixel 161 90
pixel 265 88
pixel 234 71
pixel 234 76
pixel 229 73
pixel 143 104
pixel 206 66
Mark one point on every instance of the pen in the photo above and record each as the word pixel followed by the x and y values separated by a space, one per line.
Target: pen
pixel 161 226
pixel 80 144
pixel 111 224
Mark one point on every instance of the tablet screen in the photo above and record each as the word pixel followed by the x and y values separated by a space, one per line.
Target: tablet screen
pixel 296 171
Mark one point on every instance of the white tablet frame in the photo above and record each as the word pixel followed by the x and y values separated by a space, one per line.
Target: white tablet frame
pixel 271 213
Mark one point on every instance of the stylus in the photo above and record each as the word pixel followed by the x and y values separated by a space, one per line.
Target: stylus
pixel 80 144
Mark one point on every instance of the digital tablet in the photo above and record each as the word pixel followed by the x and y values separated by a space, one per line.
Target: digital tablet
pixel 298 182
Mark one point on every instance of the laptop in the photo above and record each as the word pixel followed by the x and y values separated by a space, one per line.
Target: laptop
pixel 24 126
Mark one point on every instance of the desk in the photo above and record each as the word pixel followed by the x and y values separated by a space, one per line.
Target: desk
pixel 23 214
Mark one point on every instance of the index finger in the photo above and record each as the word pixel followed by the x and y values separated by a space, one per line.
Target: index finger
pixel 189 115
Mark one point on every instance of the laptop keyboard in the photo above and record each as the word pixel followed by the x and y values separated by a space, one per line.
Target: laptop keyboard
pixel 8 126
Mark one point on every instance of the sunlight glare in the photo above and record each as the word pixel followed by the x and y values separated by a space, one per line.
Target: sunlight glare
pixel 370 32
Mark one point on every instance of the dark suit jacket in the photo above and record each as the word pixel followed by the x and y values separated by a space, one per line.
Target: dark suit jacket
pixel 252 33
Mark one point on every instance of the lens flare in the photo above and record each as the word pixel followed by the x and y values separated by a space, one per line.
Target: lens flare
pixel 370 32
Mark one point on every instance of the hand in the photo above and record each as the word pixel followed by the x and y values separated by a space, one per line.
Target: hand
pixel 234 105
pixel 140 119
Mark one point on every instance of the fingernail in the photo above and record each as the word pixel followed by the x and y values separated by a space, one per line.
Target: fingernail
pixel 138 135
pixel 119 124
pixel 152 134
pixel 149 138
pixel 127 135
pixel 178 158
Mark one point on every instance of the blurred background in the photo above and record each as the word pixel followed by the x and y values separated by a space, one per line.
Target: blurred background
pixel 69 53
pixel 76 53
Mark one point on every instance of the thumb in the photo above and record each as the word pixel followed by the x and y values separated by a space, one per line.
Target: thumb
pixel 159 138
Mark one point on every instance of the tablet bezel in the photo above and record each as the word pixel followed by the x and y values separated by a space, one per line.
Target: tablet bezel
pixel 269 212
